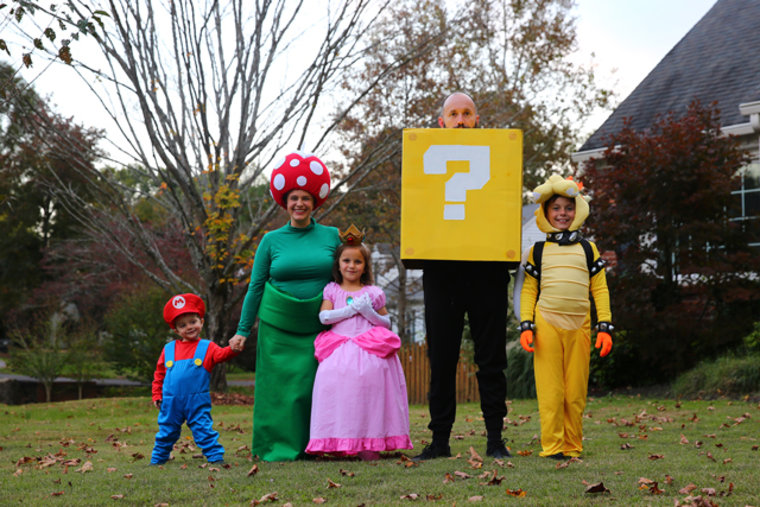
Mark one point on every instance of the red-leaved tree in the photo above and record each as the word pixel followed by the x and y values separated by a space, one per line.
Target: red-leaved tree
pixel 685 285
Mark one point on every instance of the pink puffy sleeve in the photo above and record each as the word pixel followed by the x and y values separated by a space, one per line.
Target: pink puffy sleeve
pixel 329 292
pixel 377 296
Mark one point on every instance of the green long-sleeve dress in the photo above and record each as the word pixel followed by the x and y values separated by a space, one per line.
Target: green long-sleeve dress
pixel 291 267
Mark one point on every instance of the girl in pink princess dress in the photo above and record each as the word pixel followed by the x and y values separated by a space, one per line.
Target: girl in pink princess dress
pixel 359 403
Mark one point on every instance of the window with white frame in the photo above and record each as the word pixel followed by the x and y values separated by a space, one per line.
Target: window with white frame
pixel 746 209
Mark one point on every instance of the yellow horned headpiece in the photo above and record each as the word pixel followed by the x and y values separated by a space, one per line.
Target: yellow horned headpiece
pixel 352 236
pixel 556 185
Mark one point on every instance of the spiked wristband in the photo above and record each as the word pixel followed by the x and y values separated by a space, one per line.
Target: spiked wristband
pixel 527 325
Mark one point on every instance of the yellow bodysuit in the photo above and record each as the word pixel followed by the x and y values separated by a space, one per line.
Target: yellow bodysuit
pixel 561 313
pixel 563 340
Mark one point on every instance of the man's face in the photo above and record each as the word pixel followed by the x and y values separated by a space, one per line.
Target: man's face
pixel 459 111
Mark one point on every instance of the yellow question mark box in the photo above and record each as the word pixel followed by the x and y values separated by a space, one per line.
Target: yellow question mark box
pixel 461 195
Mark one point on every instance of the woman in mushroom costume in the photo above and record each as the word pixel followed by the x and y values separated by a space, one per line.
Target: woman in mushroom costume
pixel 291 267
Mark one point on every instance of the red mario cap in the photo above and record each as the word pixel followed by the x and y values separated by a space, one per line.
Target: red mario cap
pixel 300 171
pixel 182 304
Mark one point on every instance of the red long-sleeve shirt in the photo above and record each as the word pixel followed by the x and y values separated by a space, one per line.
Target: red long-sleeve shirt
pixel 186 350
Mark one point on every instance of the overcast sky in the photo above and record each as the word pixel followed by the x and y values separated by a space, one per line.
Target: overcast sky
pixel 627 37
pixel 630 37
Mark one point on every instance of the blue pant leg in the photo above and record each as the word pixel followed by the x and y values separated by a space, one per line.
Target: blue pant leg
pixel 169 428
pixel 200 423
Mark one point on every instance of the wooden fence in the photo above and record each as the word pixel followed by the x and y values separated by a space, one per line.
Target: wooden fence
pixel 416 366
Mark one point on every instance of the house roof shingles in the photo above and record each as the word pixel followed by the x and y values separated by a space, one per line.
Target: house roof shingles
pixel 717 60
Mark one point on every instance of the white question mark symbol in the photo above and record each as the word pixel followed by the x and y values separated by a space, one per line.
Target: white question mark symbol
pixel 479 157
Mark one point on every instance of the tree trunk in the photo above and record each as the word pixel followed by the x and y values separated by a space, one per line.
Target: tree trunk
pixel 48 391
pixel 401 303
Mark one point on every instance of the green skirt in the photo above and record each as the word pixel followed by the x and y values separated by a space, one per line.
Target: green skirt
pixel 285 370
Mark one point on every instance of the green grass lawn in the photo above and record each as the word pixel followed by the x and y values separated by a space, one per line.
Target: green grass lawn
pixel 96 452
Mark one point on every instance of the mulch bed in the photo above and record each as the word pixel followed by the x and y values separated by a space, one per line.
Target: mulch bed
pixel 231 399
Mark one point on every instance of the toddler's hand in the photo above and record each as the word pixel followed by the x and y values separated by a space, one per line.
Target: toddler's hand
pixel 237 342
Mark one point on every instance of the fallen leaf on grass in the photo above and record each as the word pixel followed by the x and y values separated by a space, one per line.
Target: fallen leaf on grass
pixel 655 490
pixel 519 493
pixel 656 456
pixel 687 489
pixel 684 440
pixel 462 475
pixel 319 500
pixel 493 479
pixel 476 498
pixel 128 476
pixel 710 456
pixel 110 469
pixel 410 496
pixel 525 453
pixel 709 491
pixel 269 497
pixel 597 488
pixel 727 460
pixel 346 473
pixel 87 467
pixel 644 480
pixel 433 498
pixel 56 493
pixel 137 456
pixel 668 479
pixel 117 497
pixel 18 472
pixel 448 478
pixel 253 471
pixel 331 484
pixel 626 446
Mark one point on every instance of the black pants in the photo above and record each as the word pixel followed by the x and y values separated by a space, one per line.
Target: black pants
pixel 452 288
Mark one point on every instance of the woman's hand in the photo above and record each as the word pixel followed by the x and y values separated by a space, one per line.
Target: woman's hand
pixel 237 342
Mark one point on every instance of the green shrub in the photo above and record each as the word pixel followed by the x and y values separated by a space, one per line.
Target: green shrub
pixel 137 333
pixel 520 381
pixel 725 376
pixel 752 340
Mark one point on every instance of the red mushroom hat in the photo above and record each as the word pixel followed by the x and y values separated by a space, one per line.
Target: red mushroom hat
pixel 300 171
pixel 182 304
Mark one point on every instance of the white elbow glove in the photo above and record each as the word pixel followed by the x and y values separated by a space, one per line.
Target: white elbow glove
pixel 327 317
pixel 364 307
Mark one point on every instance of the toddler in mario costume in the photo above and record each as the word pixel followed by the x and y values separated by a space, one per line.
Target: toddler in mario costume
pixel 181 381
pixel 563 272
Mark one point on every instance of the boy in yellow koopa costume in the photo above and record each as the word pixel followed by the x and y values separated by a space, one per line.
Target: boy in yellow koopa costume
pixel 554 303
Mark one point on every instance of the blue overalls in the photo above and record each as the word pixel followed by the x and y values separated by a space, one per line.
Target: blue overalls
pixel 185 397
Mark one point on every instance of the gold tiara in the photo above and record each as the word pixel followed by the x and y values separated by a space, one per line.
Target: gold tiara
pixel 352 236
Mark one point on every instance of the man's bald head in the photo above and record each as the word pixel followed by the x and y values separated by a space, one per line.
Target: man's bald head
pixel 458 111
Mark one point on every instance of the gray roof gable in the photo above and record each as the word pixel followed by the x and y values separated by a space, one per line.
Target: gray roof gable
pixel 717 60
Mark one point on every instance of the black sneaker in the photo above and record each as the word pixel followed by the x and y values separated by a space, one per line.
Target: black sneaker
pixel 559 456
pixel 433 451
pixel 497 450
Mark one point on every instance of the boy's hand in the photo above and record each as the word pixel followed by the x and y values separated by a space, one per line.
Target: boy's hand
pixel 604 337
pixel 157 404
pixel 526 335
pixel 603 340
pixel 237 342
pixel 526 340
